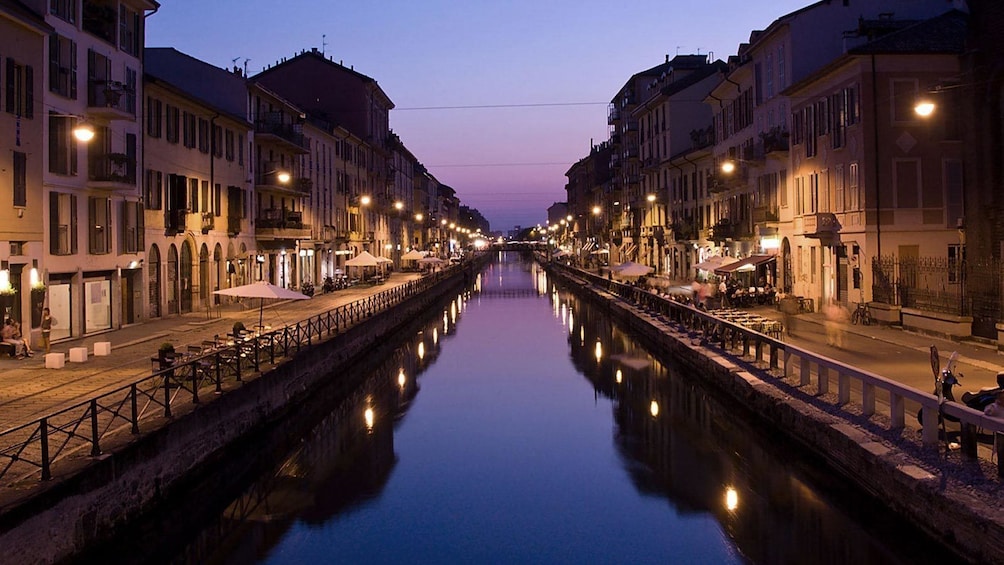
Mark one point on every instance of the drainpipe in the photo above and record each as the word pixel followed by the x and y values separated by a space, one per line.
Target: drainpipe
pixel 878 190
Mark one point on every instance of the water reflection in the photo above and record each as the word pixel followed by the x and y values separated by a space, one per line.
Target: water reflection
pixel 503 459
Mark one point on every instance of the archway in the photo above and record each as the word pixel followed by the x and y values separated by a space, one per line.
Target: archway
pixel 172 280
pixel 185 277
pixel 153 275
pixel 204 274
pixel 218 274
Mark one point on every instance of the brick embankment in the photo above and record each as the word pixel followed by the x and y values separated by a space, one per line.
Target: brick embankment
pixel 956 502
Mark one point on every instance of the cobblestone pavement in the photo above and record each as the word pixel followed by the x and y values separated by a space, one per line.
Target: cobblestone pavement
pixel 29 391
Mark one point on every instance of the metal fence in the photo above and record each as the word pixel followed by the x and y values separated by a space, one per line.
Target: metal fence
pixel 29 452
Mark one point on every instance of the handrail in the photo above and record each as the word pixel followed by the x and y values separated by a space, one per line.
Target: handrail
pixel 810 367
pixel 30 450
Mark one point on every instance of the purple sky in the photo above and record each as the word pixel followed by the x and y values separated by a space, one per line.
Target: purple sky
pixel 507 162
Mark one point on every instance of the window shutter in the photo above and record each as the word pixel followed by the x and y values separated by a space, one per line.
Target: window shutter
pixel 54 63
pixel 108 226
pixel 54 223
pixel 92 245
pixel 73 70
pixel 10 85
pixel 73 224
pixel 140 229
pixel 29 92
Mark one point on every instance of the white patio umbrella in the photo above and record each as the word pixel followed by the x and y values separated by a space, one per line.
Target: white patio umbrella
pixel 631 269
pixel 413 255
pixel 431 261
pixel 364 259
pixel 262 290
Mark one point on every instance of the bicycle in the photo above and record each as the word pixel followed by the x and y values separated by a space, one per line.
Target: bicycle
pixel 862 315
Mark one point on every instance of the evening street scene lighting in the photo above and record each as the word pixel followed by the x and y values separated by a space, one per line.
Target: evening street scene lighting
pixel 550 298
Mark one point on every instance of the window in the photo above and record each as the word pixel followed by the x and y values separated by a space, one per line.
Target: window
pixel 854 200
pixel 217 141
pixel 206 203
pixel 100 19
pixel 235 202
pixel 193 195
pixel 62 145
pixel 769 72
pixel 780 68
pixel 62 223
pixel 230 145
pixel 203 135
pixel 952 174
pixel 240 149
pixel 64 9
pixel 132 227
pixel 838 188
pixel 20 89
pixel 188 122
pixel 906 179
pixel 172 123
pixel 130 90
pixel 20 179
pixel 851 104
pixel 129 34
pixel 154 191
pixel 62 66
pixel 154 120
pixel 217 202
pixel 99 235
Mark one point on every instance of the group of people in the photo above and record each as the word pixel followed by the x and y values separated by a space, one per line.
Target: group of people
pixel 11 334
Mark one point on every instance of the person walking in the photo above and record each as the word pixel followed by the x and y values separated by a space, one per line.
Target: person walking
pixel 46 329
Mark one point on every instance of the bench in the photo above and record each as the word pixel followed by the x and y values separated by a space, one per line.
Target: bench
pixel 7 348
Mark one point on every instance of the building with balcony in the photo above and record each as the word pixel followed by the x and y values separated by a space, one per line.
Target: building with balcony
pixel 871 178
pixel 23 36
pixel 196 183
pixel 93 214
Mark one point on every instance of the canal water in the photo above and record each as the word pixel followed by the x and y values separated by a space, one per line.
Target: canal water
pixel 518 424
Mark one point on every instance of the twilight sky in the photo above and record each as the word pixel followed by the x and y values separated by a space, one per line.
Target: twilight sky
pixel 548 68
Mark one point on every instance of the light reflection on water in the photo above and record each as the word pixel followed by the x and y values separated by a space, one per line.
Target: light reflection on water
pixel 543 434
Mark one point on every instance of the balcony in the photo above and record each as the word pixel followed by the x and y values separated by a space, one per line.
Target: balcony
pixel 722 231
pixel 774 141
pixel 272 129
pixel 111 171
pixel 233 225
pixel 764 214
pixel 723 182
pixel 110 100
pixel 282 224
pixel 175 221
pixel 821 225
pixel 613 115
pixel 208 221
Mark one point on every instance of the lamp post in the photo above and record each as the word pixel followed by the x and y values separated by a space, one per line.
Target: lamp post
pixel 364 201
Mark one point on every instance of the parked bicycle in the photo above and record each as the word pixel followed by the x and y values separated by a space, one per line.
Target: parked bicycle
pixel 862 315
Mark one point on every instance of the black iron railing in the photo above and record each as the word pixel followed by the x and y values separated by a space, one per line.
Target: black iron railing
pixel 28 452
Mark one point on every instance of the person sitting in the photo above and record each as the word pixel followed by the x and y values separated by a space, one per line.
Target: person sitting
pixel 12 335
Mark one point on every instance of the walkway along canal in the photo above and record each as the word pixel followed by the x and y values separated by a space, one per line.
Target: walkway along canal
pixel 519 423
pixel 860 430
pixel 108 460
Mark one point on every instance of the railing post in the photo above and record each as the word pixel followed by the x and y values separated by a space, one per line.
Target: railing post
pixel 998 446
pixel 804 368
pixel 843 388
pixel 43 438
pixel 167 393
pixel 135 416
pixel 193 368
pixel 217 360
pixel 897 410
pixel 95 448
pixel 929 435
pixel 237 359
pixel 969 440
pixel 824 379
pixel 867 398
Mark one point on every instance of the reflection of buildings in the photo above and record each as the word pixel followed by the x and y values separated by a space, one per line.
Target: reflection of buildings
pixel 678 441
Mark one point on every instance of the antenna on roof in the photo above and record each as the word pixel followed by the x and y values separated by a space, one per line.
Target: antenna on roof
pixel 324 43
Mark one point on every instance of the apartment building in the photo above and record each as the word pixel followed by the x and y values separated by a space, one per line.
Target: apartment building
pixel 23 36
pixel 196 180
pixel 92 217
pixel 870 177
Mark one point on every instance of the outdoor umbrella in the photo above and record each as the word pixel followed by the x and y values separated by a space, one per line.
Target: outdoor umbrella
pixel 632 269
pixel 262 290
pixel 431 261
pixel 413 255
pixel 364 259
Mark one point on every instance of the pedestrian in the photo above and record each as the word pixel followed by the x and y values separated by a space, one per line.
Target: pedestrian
pixel 46 329
pixel 9 334
pixel 723 290
pixel 836 316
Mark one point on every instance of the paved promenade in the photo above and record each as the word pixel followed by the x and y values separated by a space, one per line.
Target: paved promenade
pixel 29 391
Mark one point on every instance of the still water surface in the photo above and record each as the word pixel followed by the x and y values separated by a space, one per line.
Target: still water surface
pixel 519 425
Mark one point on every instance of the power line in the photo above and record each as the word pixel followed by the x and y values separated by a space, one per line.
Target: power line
pixel 483 106
pixel 498 165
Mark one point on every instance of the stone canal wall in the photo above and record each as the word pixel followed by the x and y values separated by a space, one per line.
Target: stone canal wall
pixel 947 510
pixel 85 506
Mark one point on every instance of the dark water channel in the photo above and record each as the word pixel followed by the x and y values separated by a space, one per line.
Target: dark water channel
pixel 519 425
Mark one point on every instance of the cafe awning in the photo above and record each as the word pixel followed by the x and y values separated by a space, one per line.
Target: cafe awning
pixel 744 265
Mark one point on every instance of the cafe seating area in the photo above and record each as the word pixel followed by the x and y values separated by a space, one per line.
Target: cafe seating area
pixel 755 322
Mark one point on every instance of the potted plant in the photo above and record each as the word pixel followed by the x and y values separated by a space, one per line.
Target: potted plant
pixel 7 297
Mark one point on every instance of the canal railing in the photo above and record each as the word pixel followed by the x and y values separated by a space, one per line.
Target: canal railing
pixel 29 452
pixel 857 391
